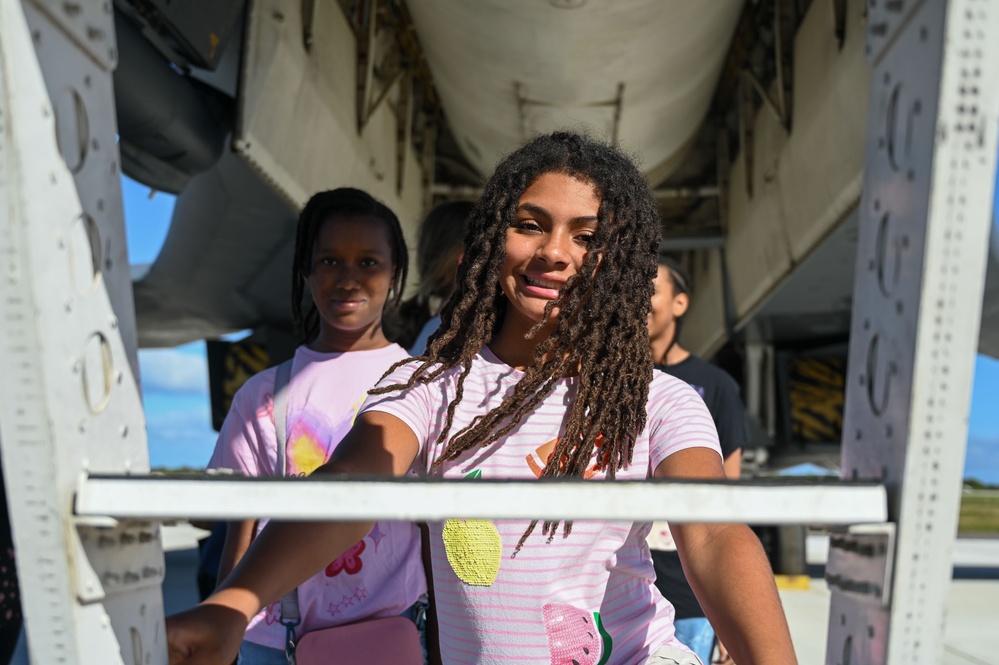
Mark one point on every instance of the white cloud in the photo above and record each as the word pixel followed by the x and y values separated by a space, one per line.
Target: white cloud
pixel 173 371
pixel 179 430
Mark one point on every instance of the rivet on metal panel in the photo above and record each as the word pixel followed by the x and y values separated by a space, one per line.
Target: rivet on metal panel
pixel 895 5
pixel 848 650
pixel 71 8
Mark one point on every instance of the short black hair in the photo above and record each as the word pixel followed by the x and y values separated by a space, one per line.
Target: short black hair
pixel 677 273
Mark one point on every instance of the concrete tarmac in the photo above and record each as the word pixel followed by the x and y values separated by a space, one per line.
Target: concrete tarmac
pixel 971 635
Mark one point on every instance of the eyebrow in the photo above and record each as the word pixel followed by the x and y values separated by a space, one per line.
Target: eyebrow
pixel 531 207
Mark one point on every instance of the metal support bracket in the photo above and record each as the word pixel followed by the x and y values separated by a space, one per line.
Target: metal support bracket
pixel 859 573
pixel 380 62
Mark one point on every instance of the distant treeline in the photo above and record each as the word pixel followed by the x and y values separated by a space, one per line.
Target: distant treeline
pixel 975 484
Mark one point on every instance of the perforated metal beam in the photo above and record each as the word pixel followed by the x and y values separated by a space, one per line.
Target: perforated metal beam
pixel 69 399
pixel 924 230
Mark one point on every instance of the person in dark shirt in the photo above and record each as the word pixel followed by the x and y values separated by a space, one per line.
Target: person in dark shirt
pixel 720 393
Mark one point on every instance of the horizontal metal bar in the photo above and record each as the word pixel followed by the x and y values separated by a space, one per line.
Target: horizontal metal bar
pixel 352 498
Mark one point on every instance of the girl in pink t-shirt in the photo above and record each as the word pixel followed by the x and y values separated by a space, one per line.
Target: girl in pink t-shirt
pixel 351 258
pixel 541 368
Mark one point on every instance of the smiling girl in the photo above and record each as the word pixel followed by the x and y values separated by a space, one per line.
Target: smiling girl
pixel 541 367
pixel 350 263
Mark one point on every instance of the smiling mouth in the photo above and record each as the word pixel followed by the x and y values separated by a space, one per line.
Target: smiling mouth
pixel 543 284
pixel 350 304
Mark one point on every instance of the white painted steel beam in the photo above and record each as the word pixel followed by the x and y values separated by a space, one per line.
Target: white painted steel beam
pixel 131 497
pixel 69 397
pixel 922 243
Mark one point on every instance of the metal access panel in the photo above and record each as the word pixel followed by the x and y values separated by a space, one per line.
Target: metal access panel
pixel 924 232
pixel 69 398
pixel 200 30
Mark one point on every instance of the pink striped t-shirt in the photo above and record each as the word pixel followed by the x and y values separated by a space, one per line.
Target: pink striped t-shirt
pixel 588 598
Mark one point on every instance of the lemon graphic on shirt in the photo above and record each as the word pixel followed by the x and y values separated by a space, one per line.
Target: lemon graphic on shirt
pixel 473 547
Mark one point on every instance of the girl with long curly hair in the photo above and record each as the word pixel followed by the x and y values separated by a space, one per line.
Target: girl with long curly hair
pixel 541 368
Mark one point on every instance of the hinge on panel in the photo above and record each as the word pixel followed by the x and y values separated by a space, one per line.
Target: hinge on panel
pixel 859 572
pixel 111 557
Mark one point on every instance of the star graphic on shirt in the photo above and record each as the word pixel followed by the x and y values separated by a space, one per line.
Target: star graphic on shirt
pixel 334 609
pixel 376 535
pixel 348 601
pixel 360 593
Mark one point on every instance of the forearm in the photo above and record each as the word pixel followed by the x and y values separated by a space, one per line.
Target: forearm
pixel 733 582
pixel 238 536
pixel 282 557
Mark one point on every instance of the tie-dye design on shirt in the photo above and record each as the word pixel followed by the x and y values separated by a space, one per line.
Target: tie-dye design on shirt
pixel 311 438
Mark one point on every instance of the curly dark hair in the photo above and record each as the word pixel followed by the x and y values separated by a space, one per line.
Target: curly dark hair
pixel 331 204
pixel 600 332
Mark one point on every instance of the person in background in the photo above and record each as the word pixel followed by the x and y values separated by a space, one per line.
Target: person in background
pixel 349 265
pixel 438 253
pixel 720 393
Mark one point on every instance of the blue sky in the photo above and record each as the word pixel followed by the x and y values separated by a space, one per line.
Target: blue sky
pixel 175 381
